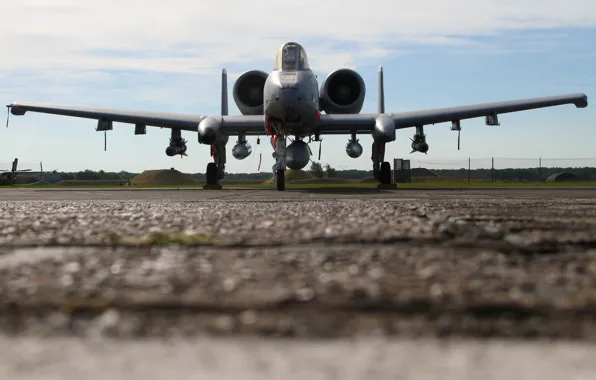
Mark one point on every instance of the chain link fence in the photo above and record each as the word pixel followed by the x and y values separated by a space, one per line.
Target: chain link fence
pixel 504 169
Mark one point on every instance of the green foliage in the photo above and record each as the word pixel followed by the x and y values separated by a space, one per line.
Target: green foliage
pixel 316 170
pixel 329 171
pixel 522 174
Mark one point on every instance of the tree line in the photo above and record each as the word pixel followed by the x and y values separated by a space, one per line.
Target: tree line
pixel 326 171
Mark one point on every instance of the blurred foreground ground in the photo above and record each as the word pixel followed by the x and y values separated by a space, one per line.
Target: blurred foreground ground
pixel 458 264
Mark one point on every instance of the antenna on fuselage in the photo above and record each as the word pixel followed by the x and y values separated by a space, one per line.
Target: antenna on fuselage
pixel 224 92
pixel 381 89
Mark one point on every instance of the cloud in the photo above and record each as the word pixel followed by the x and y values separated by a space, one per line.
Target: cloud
pixel 167 56
pixel 183 36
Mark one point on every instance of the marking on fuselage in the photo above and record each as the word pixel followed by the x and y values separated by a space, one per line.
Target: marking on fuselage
pixel 288 78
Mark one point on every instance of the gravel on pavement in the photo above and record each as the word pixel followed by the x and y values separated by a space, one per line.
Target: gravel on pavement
pixel 440 266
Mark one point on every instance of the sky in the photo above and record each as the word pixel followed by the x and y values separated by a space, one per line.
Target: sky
pixel 167 56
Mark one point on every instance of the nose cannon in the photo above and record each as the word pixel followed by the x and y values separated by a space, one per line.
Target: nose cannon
pixel 286 105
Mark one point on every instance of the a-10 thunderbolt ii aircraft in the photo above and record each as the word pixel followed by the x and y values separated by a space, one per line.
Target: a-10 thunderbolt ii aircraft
pixel 13 172
pixel 287 103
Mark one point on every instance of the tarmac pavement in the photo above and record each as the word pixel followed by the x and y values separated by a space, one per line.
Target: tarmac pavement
pixel 418 265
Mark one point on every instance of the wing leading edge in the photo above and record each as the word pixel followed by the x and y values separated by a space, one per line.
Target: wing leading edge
pixel 233 124
pixel 330 124
pixel 363 123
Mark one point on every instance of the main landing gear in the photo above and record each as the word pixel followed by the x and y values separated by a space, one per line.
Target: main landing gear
pixel 216 169
pixel 381 169
pixel 280 179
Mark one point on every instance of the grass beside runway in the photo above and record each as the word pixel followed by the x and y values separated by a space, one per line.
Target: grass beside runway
pixel 238 184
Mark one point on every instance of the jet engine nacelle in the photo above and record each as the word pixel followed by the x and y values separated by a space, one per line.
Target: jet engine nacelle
pixel 297 155
pixel 248 92
pixel 342 92
pixel 241 150
pixel 354 149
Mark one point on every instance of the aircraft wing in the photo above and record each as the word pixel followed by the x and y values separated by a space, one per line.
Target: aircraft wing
pixel 363 123
pixel 232 124
pixel 330 124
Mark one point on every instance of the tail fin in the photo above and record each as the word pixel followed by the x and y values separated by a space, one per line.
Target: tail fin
pixel 224 92
pixel 381 91
pixel 14 165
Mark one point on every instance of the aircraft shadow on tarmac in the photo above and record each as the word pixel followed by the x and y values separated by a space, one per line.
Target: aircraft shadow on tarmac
pixel 341 190
pixel 374 190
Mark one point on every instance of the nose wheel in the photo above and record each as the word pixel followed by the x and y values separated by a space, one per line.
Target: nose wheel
pixel 279 168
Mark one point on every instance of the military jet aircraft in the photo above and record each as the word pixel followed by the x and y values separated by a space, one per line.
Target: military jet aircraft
pixel 287 103
pixel 13 172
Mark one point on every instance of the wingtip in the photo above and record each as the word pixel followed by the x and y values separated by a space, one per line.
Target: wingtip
pixel 16 109
pixel 583 102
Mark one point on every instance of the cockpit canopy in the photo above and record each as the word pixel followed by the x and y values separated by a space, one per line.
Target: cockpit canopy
pixel 291 57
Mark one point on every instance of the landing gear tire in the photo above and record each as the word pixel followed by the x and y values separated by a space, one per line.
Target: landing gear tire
pixel 280 179
pixel 212 173
pixel 385 173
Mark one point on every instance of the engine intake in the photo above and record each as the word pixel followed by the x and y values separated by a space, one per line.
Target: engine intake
pixel 343 91
pixel 248 92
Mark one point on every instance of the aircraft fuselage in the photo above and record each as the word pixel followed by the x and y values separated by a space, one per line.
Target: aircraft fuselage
pixel 292 101
pixel 287 103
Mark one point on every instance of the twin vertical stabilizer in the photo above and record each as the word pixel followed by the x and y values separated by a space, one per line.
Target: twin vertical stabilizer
pixel 381 89
pixel 224 92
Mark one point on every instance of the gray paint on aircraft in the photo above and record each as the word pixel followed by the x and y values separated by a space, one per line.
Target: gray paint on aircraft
pixel 290 101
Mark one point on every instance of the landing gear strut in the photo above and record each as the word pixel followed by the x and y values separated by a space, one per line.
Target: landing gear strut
pixel 381 169
pixel 216 169
pixel 279 168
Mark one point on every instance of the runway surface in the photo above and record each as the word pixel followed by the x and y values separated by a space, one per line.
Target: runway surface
pixel 302 264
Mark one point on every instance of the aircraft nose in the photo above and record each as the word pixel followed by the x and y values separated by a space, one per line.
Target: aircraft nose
pixel 289 99
pixel 286 105
pixel 288 95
